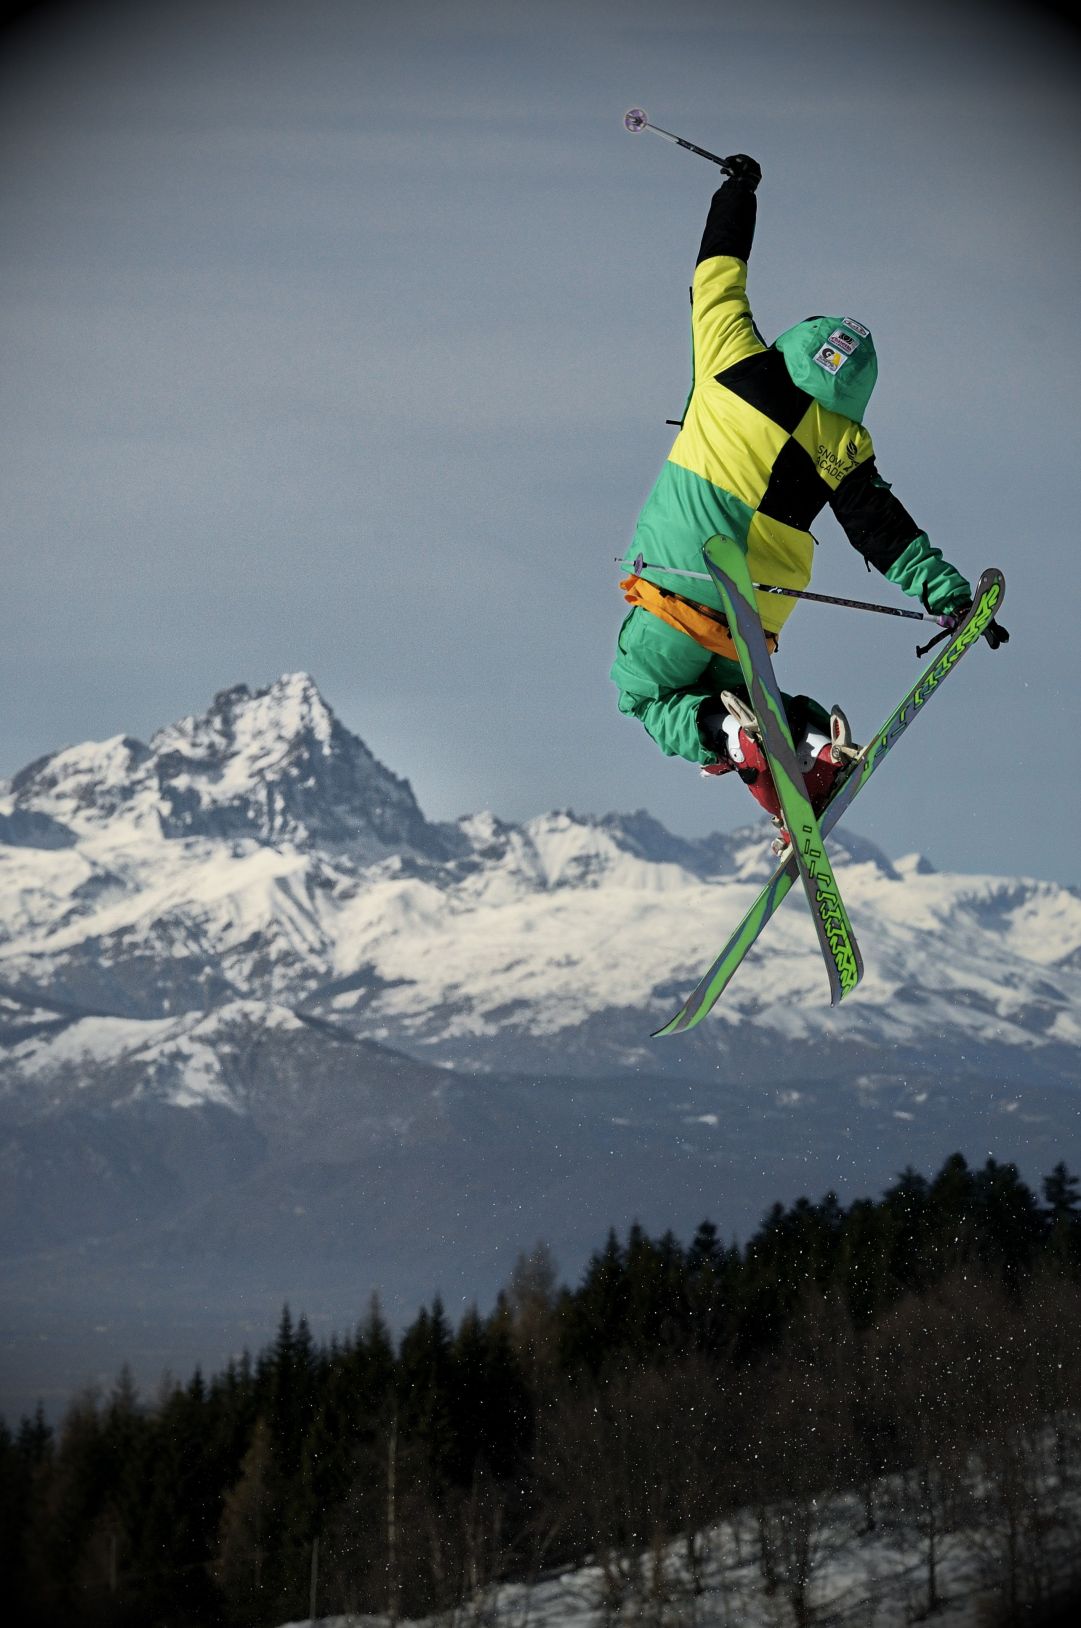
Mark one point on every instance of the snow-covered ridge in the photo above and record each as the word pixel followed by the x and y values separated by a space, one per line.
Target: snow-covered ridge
pixel 274 764
pixel 258 857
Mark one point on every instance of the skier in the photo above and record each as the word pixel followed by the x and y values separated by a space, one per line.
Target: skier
pixel 770 435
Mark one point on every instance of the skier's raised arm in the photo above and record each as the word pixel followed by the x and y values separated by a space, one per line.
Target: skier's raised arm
pixel 721 321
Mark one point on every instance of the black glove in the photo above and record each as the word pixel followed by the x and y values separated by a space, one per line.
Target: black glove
pixel 746 170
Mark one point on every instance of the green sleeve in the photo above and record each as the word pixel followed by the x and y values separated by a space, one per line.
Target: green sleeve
pixel 922 573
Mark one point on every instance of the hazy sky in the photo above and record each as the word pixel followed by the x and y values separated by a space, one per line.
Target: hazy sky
pixel 341 337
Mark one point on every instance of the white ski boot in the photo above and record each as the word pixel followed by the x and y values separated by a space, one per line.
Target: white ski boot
pixel 739 719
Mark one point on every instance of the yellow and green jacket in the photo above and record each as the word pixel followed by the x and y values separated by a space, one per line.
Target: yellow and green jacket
pixel 770 435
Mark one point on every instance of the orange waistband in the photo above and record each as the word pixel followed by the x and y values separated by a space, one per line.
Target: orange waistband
pixel 706 627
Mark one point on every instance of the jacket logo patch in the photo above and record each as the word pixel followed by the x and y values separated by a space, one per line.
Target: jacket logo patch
pixel 829 358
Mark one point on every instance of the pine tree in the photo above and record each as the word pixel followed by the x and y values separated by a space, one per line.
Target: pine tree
pixel 1062 1220
pixel 864 1261
pixel 25 1463
pixel 243 1562
pixel 1061 1191
pixel 1008 1219
pixel 710 1270
pixel 530 1306
pixel 907 1207
pixel 952 1219
pixel 595 1326
pixel 424 1387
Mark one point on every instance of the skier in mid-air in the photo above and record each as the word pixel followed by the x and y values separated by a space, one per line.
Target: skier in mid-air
pixel 769 436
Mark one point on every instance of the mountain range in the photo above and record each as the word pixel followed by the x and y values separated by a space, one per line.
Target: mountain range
pixel 268 1032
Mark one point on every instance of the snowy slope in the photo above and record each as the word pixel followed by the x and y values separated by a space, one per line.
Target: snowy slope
pixel 260 854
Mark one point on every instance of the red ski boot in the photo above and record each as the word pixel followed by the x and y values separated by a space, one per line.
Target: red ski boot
pixel 741 751
pixel 821 760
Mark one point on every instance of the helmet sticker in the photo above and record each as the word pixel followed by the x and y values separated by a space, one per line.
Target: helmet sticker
pixel 857 327
pixel 832 360
pixel 843 341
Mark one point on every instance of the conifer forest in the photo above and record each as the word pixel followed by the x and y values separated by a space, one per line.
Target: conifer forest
pixel 925 1342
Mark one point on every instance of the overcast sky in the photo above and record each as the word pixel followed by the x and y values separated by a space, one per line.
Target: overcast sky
pixel 341 337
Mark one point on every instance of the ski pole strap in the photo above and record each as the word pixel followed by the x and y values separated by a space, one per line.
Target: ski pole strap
pixel 922 649
pixel 706 627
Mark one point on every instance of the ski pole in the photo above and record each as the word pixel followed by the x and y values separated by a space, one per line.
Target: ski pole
pixel 848 604
pixel 639 565
pixel 635 121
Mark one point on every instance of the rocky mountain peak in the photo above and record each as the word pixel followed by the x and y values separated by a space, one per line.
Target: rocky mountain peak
pixel 274 764
pixel 94 778
pixel 257 730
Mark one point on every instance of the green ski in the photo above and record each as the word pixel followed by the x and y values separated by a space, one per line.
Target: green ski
pixel 990 592
pixel 726 562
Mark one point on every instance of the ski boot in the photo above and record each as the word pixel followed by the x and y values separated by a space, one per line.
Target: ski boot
pixel 821 763
pixel 737 737
pixel 732 733
pixel 820 759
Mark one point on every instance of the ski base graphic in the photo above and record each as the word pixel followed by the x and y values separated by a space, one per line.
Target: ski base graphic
pixel 726 561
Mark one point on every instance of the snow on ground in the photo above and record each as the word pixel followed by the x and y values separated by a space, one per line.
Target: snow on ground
pixel 859 1579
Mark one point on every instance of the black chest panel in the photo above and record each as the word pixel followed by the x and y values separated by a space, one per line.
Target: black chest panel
pixel 796 492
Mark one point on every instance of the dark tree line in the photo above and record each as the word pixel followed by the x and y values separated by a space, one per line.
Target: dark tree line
pixel 914 1355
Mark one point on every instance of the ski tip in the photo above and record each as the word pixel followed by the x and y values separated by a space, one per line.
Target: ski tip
pixel 991 579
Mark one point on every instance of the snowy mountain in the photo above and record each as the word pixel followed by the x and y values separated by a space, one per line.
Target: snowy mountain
pixel 238 966
pixel 260 854
pixel 276 767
